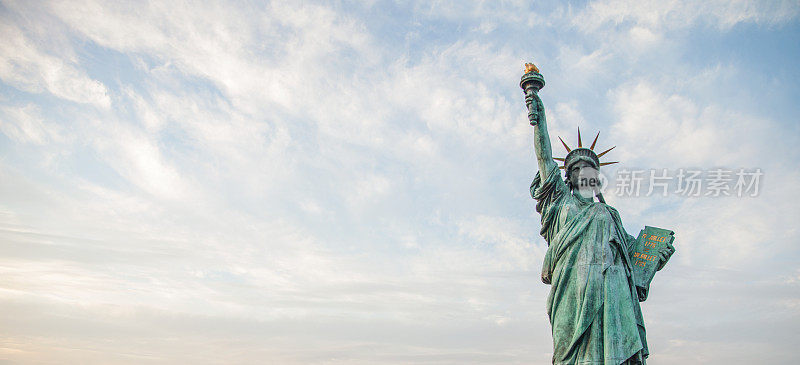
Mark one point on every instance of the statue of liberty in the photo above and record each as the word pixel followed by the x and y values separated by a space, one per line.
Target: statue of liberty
pixel 593 303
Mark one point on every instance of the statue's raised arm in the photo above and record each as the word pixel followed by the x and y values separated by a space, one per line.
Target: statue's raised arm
pixel 532 82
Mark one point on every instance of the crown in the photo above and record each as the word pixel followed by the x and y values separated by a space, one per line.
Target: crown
pixel 582 153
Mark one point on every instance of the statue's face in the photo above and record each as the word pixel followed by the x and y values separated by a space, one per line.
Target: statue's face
pixel 584 178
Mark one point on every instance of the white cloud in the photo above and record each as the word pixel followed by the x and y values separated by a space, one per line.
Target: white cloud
pixel 692 136
pixel 689 134
pixel 652 35
pixel 25 124
pixel 579 65
pixel 507 10
pixel 642 37
pixel 512 248
pixel 667 15
pixel 25 66
pixel 276 59
pixel 461 106
pixel 369 189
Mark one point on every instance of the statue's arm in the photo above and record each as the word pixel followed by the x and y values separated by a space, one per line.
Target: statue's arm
pixel 630 245
pixel 541 138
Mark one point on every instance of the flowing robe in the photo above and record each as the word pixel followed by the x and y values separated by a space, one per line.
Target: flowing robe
pixel 593 307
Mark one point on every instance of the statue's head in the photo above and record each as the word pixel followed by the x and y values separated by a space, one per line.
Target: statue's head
pixel 582 167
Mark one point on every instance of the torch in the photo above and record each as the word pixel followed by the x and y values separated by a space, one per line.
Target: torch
pixel 532 81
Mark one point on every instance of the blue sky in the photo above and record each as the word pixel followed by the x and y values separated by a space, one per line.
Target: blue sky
pixel 347 182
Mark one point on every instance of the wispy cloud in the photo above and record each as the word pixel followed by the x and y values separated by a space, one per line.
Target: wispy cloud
pixel 670 15
pixel 235 182
pixel 25 66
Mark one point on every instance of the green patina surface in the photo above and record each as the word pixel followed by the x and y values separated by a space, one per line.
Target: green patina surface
pixel 593 304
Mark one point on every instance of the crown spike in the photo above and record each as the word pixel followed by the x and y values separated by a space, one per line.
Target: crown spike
pixel 559 159
pixel 562 167
pixel 565 144
pixel 606 151
pixel 608 163
pixel 595 140
pixel 580 144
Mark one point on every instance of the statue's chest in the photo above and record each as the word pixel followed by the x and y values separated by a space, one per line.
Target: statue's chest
pixel 594 244
pixel 569 210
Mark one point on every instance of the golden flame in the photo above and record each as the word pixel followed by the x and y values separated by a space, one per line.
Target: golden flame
pixel 529 67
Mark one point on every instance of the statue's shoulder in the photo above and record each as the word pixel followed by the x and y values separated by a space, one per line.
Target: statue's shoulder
pixel 611 210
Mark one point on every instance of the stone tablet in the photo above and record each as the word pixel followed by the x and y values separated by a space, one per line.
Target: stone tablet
pixel 645 260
